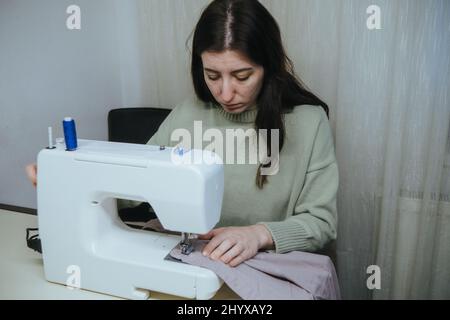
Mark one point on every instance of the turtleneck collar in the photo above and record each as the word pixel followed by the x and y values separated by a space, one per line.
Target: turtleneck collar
pixel 247 116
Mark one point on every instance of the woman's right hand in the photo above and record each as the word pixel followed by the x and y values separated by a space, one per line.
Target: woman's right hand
pixel 31 170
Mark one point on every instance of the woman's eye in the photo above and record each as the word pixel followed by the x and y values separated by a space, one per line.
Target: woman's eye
pixel 212 78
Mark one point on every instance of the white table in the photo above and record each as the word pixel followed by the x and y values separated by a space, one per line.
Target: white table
pixel 22 272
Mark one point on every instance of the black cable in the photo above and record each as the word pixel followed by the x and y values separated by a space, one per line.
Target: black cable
pixel 34 242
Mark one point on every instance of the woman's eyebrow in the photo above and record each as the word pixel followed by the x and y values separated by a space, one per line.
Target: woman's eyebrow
pixel 234 72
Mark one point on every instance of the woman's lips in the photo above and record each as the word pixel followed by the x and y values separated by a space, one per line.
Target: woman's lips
pixel 233 106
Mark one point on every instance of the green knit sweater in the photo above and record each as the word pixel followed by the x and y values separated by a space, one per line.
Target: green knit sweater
pixel 298 204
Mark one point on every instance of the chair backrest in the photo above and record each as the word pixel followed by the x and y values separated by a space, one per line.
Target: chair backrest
pixel 134 125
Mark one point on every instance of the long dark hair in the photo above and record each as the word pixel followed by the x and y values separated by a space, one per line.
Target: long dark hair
pixel 246 26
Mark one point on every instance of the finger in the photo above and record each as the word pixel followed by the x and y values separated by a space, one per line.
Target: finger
pixel 213 244
pixel 220 250
pixel 31 171
pixel 211 234
pixel 237 260
pixel 232 253
pixel 28 170
pixel 206 236
pixel 215 240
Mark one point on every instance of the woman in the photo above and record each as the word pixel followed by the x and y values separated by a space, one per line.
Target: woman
pixel 244 80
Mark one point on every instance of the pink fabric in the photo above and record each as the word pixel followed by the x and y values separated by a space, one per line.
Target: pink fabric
pixel 270 276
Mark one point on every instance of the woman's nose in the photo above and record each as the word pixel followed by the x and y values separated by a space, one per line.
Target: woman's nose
pixel 227 93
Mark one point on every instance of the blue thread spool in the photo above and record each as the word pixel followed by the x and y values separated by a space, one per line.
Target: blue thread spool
pixel 70 134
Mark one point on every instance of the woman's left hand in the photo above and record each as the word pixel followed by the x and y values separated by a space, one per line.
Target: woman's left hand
pixel 234 245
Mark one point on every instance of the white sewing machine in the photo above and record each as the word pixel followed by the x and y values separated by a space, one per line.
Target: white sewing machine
pixel 79 226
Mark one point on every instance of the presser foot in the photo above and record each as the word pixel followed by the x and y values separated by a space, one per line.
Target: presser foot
pixel 186 246
pixel 186 243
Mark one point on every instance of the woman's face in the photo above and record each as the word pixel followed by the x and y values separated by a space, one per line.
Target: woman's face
pixel 234 80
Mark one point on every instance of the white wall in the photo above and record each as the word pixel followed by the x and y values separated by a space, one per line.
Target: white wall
pixel 128 53
pixel 48 72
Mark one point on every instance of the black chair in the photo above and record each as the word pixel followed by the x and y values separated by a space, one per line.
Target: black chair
pixel 135 125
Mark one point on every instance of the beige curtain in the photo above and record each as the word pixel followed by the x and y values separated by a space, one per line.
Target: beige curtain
pixel 390 114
